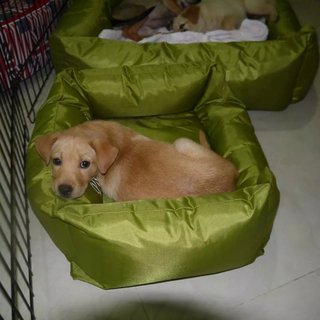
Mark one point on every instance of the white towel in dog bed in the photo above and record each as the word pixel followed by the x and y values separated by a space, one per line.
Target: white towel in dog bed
pixel 250 30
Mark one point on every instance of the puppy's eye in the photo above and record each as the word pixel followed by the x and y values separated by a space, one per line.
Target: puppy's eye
pixel 57 161
pixel 84 164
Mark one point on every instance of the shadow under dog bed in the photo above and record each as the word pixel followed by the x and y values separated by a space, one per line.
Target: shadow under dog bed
pixel 117 244
pixel 265 75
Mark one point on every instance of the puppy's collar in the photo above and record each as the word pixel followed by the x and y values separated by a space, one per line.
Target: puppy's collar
pixel 96 185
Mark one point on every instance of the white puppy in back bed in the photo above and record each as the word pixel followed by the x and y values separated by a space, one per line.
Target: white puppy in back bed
pixel 211 15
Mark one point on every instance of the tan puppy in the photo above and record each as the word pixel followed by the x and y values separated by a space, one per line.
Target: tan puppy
pixel 222 14
pixel 130 166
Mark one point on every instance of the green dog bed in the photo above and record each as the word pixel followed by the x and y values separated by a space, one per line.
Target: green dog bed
pixel 116 244
pixel 266 75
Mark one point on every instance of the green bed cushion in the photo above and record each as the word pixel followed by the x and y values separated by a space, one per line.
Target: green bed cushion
pixel 117 244
pixel 267 75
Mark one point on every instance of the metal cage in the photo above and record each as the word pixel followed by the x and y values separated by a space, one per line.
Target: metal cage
pixel 25 66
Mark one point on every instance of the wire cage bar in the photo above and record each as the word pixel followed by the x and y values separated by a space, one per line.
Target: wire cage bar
pixel 25 66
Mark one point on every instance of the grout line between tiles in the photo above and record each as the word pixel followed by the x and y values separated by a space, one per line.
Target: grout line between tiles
pixel 276 288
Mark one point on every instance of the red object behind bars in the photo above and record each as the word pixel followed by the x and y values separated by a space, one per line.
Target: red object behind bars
pixel 25 29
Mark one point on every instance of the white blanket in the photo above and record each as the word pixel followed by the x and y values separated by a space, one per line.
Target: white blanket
pixel 250 30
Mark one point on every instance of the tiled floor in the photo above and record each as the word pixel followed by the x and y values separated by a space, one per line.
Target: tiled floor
pixel 282 284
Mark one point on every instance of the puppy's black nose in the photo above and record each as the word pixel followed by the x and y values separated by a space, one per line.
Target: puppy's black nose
pixel 65 190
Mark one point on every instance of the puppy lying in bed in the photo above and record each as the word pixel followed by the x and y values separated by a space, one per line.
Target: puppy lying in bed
pixel 211 15
pixel 130 166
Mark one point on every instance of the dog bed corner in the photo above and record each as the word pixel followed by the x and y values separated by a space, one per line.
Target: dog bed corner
pixel 119 244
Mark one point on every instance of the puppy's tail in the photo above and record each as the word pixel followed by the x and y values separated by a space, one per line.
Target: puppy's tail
pixel 203 139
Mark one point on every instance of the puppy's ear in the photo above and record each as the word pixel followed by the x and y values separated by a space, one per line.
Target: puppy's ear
pixel 44 144
pixel 106 154
pixel 192 14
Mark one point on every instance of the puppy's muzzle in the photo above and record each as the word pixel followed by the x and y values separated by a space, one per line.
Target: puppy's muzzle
pixel 65 190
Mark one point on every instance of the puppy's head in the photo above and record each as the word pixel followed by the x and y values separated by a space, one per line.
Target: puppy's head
pixel 74 161
pixel 187 20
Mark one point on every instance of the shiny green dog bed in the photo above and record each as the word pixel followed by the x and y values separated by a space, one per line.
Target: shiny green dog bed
pixel 116 244
pixel 267 75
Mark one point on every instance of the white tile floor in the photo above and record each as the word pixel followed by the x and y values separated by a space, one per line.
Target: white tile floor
pixel 282 284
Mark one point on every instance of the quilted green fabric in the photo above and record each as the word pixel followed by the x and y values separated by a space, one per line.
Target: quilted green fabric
pixel 267 75
pixel 116 244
